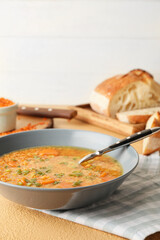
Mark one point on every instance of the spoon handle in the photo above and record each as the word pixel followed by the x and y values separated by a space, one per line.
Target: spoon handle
pixel 131 139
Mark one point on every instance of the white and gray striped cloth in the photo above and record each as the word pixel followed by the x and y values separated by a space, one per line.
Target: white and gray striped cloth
pixel 133 211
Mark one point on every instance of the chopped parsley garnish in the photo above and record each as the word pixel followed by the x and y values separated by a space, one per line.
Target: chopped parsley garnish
pixel 19 171
pixel 25 172
pixel 14 160
pixel 56 182
pixel 77 183
pixel 76 174
pixel 65 163
pixel 38 184
pixel 59 175
pixel 33 180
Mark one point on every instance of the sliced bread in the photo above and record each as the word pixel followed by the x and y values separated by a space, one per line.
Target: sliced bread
pixel 137 116
pixel 152 143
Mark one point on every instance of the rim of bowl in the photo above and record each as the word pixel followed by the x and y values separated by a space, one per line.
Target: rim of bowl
pixel 124 175
pixel 8 108
pixel 11 106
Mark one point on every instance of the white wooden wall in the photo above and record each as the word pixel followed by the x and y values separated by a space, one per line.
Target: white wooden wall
pixel 57 51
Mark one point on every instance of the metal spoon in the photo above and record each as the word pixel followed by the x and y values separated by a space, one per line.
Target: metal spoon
pixel 126 141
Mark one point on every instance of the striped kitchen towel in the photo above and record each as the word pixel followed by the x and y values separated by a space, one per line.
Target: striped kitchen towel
pixel 133 211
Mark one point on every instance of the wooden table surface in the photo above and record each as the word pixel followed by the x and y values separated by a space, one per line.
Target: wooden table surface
pixel 18 222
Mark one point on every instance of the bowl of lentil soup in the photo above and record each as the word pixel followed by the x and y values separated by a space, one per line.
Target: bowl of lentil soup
pixel 40 169
pixel 7 114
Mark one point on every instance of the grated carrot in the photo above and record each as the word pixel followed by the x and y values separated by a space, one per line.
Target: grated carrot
pixel 103 174
pixel 46 181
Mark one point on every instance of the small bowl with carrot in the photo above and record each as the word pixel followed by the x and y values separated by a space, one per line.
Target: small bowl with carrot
pixel 7 114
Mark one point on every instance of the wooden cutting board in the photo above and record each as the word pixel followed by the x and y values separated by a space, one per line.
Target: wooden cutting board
pixel 86 114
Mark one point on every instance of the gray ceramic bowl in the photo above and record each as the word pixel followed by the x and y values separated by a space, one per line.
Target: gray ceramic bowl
pixel 70 197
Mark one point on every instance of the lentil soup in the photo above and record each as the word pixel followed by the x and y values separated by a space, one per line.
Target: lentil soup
pixel 56 167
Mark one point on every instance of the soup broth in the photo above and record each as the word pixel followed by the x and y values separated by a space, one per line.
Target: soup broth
pixel 56 167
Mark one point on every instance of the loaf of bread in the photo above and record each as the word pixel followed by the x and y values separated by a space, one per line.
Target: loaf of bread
pixel 134 90
pixel 152 143
pixel 137 116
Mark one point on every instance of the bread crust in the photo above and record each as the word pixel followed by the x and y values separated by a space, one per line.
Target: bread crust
pixel 137 116
pixel 152 143
pixel 110 86
pixel 138 119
